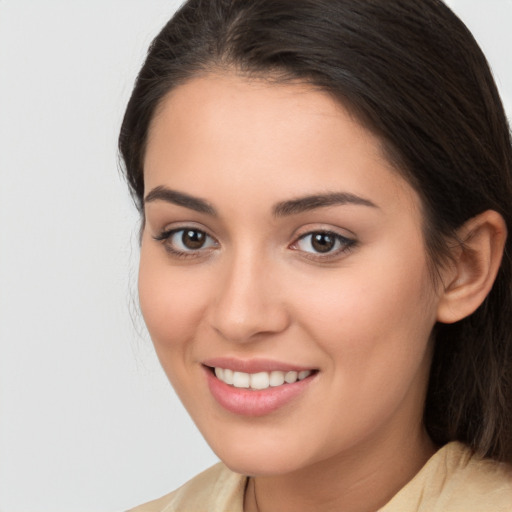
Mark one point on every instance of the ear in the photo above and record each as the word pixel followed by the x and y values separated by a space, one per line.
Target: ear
pixel 476 261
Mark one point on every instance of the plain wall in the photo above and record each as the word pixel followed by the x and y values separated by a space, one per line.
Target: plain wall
pixel 88 421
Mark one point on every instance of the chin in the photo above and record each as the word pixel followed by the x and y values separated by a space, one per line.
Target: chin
pixel 260 457
pixel 252 464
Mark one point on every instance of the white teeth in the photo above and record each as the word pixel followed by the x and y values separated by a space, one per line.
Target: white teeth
pixel 290 377
pixel 228 376
pixel 260 380
pixel 276 378
pixel 241 380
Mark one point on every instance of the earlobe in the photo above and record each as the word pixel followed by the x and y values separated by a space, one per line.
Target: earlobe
pixel 476 262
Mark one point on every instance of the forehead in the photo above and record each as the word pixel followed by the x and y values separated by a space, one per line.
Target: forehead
pixel 227 131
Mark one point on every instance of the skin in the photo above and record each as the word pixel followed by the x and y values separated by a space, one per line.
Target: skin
pixel 361 316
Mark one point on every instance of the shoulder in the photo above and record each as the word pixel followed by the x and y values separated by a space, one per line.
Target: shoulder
pixel 216 489
pixel 456 480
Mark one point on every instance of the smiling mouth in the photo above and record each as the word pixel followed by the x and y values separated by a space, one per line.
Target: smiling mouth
pixel 261 380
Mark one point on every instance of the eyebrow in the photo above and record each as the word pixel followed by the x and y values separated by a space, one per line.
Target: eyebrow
pixel 281 209
pixel 162 193
pixel 304 204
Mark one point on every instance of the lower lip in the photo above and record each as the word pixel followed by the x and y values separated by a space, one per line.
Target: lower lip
pixel 248 402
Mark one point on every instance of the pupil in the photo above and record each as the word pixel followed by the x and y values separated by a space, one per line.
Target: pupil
pixel 323 242
pixel 193 239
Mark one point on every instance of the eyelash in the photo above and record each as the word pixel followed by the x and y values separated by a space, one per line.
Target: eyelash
pixel 345 244
pixel 166 236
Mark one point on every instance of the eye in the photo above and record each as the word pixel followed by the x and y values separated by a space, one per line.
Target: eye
pixel 323 242
pixel 186 241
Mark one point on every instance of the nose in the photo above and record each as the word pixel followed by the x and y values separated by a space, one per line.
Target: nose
pixel 249 302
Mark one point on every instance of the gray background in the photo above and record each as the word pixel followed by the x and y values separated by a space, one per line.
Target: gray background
pixel 87 419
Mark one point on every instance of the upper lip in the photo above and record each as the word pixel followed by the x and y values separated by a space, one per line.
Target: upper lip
pixel 254 365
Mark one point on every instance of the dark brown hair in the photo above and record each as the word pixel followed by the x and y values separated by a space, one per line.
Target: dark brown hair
pixel 413 74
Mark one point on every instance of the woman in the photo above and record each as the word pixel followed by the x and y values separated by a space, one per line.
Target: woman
pixel 325 190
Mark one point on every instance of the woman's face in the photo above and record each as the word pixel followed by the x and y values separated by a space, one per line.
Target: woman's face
pixel 279 240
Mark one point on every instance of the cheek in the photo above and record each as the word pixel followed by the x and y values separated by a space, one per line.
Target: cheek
pixel 172 302
pixel 374 314
pixel 374 326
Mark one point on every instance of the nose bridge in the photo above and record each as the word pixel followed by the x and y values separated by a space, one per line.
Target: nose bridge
pixel 247 302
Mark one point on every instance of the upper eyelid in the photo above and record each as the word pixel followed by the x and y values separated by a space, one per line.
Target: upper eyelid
pixel 299 234
pixel 336 231
pixel 326 232
pixel 341 238
pixel 167 233
pixel 180 226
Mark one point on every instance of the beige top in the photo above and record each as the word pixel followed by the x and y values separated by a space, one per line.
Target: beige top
pixel 453 480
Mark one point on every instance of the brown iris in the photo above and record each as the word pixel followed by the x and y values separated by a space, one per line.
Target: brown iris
pixel 193 239
pixel 322 242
